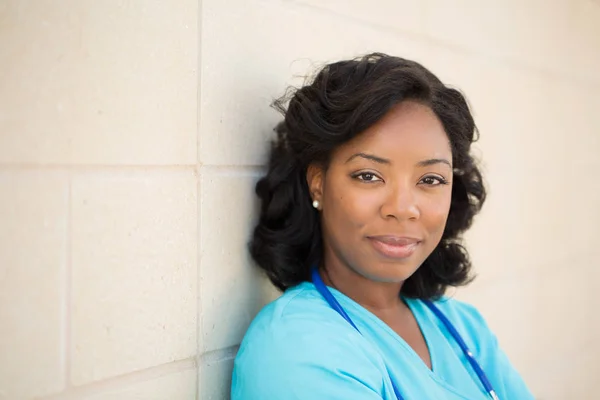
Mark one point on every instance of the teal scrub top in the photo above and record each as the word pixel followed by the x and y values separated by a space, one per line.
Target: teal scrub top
pixel 298 347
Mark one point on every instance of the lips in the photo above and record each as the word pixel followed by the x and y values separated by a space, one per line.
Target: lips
pixel 398 247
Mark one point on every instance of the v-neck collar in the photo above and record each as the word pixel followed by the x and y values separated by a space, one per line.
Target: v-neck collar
pixel 427 327
pixel 423 327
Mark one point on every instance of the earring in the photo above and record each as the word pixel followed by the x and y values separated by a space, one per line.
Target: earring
pixel 316 204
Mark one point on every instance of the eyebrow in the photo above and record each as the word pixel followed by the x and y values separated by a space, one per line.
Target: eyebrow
pixel 371 157
pixel 433 161
pixel 379 160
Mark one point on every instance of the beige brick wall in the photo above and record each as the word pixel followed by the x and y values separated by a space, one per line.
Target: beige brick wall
pixel 132 132
pixel 98 199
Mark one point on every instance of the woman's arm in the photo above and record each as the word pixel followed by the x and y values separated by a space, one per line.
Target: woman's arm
pixel 302 359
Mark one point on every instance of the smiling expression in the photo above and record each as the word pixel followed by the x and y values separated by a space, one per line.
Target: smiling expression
pixel 385 195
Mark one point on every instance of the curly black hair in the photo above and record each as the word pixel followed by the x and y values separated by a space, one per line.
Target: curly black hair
pixel 344 99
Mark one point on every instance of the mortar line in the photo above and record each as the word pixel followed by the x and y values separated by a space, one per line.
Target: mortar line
pixel 123 381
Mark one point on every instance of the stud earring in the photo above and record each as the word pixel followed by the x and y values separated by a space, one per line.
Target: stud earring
pixel 316 204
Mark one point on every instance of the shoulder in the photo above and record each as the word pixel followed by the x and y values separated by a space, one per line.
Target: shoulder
pixel 297 338
pixel 461 312
pixel 298 309
pixel 469 322
pixel 299 318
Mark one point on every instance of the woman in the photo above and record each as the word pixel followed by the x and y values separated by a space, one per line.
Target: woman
pixel 369 188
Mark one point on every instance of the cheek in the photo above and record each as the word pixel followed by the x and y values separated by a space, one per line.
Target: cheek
pixel 349 207
pixel 437 214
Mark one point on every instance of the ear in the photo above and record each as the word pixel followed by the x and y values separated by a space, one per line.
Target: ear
pixel 315 175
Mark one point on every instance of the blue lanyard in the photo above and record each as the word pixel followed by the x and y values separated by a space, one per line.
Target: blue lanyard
pixel 328 296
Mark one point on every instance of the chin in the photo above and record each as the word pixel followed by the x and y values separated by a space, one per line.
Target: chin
pixel 390 272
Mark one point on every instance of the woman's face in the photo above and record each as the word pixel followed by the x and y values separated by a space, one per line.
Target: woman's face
pixel 385 196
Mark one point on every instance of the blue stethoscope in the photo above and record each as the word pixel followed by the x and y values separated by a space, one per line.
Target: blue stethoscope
pixel 333 303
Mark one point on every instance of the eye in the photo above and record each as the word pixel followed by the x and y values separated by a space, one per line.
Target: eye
pixel 433 180
pixel 367 177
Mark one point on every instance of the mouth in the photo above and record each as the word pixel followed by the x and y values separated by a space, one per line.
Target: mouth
pixel 397 247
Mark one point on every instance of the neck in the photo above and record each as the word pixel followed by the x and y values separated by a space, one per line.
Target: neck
pixel 381 298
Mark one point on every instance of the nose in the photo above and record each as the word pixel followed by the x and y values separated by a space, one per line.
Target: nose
pixel 401 203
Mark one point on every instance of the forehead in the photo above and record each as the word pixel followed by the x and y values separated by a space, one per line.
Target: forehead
pixel 409 131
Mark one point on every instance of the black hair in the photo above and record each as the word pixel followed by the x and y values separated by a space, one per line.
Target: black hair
pixel 344 99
